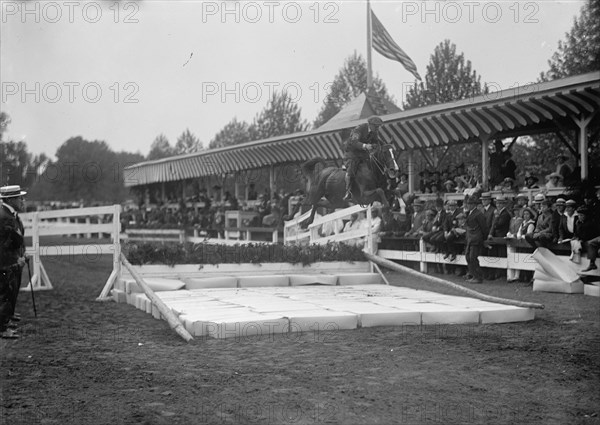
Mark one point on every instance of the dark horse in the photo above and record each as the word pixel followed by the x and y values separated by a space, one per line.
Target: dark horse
pixel 371 177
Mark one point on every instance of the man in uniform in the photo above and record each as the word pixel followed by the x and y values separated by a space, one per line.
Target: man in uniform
pixel 12 255
pixel 363 139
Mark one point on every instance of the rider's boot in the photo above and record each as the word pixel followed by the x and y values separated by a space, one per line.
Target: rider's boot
pixel 348 195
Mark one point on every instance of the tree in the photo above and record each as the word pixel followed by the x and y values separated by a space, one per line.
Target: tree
pixel 234 133
pixel 350 81
pixel 160 148
pixel 4 122
pixel 187 143
pixel 448 78
pixel 280 116
pixel 580 51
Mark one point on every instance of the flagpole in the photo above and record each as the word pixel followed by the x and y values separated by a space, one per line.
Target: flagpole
pixel 369 45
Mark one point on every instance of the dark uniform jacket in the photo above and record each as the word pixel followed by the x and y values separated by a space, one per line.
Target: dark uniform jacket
pixel 489 215
pixel 12 245
pixel 477 229
pixel 586 230
pixel 563 229
pixel 500 224
pixel 354 151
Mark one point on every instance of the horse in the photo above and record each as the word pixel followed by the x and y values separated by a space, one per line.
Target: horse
pixel 329 183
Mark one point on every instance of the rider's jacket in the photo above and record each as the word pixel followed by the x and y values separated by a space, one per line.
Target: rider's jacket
pixel 354 146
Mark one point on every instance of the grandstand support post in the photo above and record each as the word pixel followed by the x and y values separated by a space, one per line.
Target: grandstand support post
pixel 272 185
pixel 411 171
pixel 485 162
pixel 583 143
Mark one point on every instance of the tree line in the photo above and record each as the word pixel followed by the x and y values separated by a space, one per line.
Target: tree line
pixel 92 171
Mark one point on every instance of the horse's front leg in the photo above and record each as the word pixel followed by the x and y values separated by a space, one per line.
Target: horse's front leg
pixel 311 218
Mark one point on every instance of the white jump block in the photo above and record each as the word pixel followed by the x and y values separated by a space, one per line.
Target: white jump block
pixel 346 279
pixel 157 284
pixel 558 286
pixel 319 320
pixel 211 282
pixel 247 326
pixel 505 314
pixel 263 281
pixel 119 296
pixel 313 279
pixel 558 267
pixel 592 290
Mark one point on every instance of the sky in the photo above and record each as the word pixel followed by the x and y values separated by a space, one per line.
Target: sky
pixel 125 72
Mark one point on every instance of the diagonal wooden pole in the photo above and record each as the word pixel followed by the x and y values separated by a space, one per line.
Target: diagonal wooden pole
pixel 167 313
pixel 397 267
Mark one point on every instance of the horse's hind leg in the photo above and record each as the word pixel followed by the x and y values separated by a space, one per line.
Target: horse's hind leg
pixel 376 195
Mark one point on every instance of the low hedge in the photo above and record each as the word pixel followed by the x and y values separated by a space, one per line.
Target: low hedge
pixel 205 253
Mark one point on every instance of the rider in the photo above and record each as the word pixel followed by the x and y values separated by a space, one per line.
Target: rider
pixel 363 139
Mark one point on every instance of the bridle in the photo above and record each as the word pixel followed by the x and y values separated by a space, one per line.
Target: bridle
pixel 383 167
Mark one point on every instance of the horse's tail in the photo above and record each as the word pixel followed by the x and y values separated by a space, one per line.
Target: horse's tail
pixel 308 167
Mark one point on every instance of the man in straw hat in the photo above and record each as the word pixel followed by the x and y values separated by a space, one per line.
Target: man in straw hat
pixel 12 256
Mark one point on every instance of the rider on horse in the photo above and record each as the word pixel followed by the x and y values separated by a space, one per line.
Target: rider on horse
pixel 363 139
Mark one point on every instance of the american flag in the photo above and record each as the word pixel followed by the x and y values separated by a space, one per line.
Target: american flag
pixel 385 45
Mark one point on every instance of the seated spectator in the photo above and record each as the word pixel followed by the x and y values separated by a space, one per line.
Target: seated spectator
pixel 449 187
pixel 568 222
pixel 402 186
pixel 530 181
pixel 508 185
pixel 230 202
pixel 425 183
pixel 528 223
pixel 515 222
pixel 587 232
pixel 554 180
pixel 353 224
pixel 274 219
pixel 522 200
pixel 252 194
pixel 436 236
pixel 542 234
pixel 417 217
pixel 332 227
pixel 461 184
pixel 426 229
pixel 473 188
pixel 557 213
pixel 456 233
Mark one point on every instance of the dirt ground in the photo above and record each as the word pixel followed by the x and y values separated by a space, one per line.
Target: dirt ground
pixel 85 362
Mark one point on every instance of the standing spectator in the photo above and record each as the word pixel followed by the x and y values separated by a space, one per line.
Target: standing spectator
pixel 12 255
pixel 542 234
pixel 488 209
pixel 477 230
pixel 501 220
pixel 496 162
pixel 587 232
pixel 508 166
pixel 515 221
pixel 562 167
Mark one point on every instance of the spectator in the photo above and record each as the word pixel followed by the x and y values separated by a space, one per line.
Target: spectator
pixel 501 220
pixel 332 227
pixel 496 162
pixel 557 213
pixel 452 212
pixel 488 209
pixel 417 217
pixel 537 202
pixel 508 185
pixel 528 224
pixel 252 194
pixel 587 232
pixel 554 180
pixel 353 224
pixel 436 236
pixel 402 186
pixel 425 183
pixel 456 233
pixel 426 229
pixel 568 220
pixel 522 201
pixel 508 167
pixel 515 222
pixel 542 234
pixel 477 230
pixel 449 187
pixel 562 167
pixel 530 181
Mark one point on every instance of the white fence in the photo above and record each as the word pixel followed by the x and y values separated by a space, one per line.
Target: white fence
pixel 293 232
pixel 58 223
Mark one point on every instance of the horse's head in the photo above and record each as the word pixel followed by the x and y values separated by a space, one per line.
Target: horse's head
pixel 388 159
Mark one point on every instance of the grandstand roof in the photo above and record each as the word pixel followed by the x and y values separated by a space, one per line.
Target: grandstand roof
pixel 530 109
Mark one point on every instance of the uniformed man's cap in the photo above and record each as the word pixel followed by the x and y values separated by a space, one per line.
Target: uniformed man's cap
pixel 375 120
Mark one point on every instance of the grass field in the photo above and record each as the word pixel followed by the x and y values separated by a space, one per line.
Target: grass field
pixel 85 362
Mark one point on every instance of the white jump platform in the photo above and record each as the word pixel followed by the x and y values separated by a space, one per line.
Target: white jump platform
pixel 228 312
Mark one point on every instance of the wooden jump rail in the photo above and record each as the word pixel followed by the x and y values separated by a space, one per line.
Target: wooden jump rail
pixel 38 224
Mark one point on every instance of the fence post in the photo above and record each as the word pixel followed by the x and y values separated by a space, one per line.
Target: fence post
pixel 422 264
pixel 35 240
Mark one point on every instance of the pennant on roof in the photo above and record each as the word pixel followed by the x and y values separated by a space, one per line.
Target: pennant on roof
pixel 384 44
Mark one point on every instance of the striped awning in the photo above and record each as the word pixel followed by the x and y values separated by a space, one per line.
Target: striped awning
pixel 519 110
